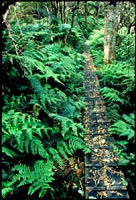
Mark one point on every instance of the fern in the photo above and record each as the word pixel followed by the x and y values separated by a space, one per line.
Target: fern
pixel 36 85
pixel 65 147
pixel 118 75
pixel 112 95
pixel 56 157
pixel 40 176
pixel 24 129
pixel 124 128
pixel 68 126
pixel 42 104
pixel 30 64
pixel 76 143
pixel 9 152
pixel 62 151
pixel 5 190
pixel 65 122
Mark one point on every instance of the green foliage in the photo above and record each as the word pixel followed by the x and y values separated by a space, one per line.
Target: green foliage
pixel 118 74
pixel 96 39
pixel 124 145
pixel 125 48
pixel 124 127
pixel 76 38
pixel 39 176
pixel 6 189
pixel 43 103
pixel 112 95
pixel 118 86
pixel 96 43
pixel 23 133
pixel 86 26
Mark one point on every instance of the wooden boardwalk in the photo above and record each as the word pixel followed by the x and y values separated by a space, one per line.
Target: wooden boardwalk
pixel 103 177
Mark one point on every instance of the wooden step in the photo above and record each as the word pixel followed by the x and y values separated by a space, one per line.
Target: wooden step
pixel 99 141
pixel 101 157
pixel 106 194
pixel 104 176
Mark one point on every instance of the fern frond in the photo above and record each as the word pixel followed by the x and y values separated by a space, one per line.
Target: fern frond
pixel 68 126
pixel 112 95
pixel 37 148
pixel 68 110
pixel 122 144
pixel 66 148
pixel 39 177
pixel 62 151
pixel 9 152
pixel 33 64
pixel 122 128
pixel 65 122
pixel 75 143
pixel 25 132
pixel 5 191
pixel 130 119
pixel 56 157
pixel 39 90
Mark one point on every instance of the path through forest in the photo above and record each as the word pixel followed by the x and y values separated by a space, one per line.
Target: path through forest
pixel 103 177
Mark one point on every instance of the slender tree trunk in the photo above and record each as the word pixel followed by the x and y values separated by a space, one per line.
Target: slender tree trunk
pixel 56 8
pixel 61 12
pixel 64 12
pixel 110 31
pixel 86 13
pixel 49 21
pixel 131 28
pixel 66 6
pixel 73 13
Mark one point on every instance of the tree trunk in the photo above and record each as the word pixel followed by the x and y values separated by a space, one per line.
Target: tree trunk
pixel 61 5
pixel 73 13
pixel 110 31
pixel 131 28
pixel 86 13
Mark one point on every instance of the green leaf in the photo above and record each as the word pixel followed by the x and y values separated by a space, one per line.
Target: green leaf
pixel 124 162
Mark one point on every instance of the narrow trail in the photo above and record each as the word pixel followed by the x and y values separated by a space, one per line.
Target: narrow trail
pixel 103 177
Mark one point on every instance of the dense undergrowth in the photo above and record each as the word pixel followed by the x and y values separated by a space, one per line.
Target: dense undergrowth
pixel 43 105
pixel 43 101
pixel 117 82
